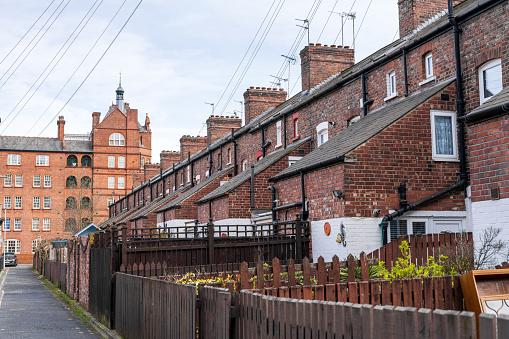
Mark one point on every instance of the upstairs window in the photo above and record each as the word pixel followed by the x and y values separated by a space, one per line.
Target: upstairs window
pixel 490 79
pixel 46 224
pixel 35 224
pixel 244 165
pixel 72 161
pixel 229 156
pixel 13 159
pixel 71 182
pixel 443 135
pixel 278 134
pixel 117 139
pixel 322 133
pixel 37 180
pixel 295 118
pixel 7 203
pixel 111 161
pixel 86 161
pixel 47 202
pixel 428 65
pixel 8 180
pixel 7 224
pixel 47 181
pixel 17 224
pixel 18 202
pixel 19 180
pixel 86 182
pixel 71 203
pixel 121 162
pixel 121 182
pixel 111 201
pixel 391 85
pixel 36 203
pixel 111 182
pixel 42 160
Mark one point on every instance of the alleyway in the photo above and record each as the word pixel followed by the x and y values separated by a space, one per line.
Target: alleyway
pixel 29 310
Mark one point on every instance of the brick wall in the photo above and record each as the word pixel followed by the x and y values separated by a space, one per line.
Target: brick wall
pixel 78 270
pixel 219 126
pixel 191 144
pixel 258 100
pixel 168 158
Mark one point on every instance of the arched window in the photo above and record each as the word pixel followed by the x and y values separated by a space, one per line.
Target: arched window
pixel 85 203
pixel 322 133
pixel 72 161
pixel 71 182
pixel 85 222
pixel 70 224
pixel 71 203
pixel 86 161
pixel 117 139
pixel 86 182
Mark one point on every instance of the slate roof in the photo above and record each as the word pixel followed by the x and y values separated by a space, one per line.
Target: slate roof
pixel 363 130
pixel 244 176
pixel 498 99
pixel 30 144
pixel 78 146
pixel 193 190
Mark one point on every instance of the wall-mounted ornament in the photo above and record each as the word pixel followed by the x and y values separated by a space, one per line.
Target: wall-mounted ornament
pixel 326 229
pixel 341 239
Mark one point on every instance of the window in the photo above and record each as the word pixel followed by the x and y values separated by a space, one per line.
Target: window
pixel 36 202
pixel 37 180
pixel 443 135
pixel 278 134
pixel 72 161
pixel 229 156
pixel 71 203
pixel 142 162
pixel 490 79
pixel 117 139
pixel 244 165
pixel 295 126
pixel 406 227
pixel 111 201
pixel 7 202
pixel 293 160
pixel 354 120
pixel 85 222
pixel 47 181
pixel 86 182
pixel 70 224
pixel 428 65
pixel 188 173
pixel 8 180
pixel 17 224
pixel 121 162
pixel 35 245
pixel 47 203
pixel 111 161
pixel 111 182
pixel 71 182
pixel 12 246
pixel 86 161
pixel 13 159
pixel 322 133
pixel 18 203
pixel 42 160
pixel 19 180
pixel 85 203
pixel 46 224
pixel 35 224
pixel 391 85
pixel 7 224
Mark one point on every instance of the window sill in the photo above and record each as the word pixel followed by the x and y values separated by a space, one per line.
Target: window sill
pixel 228 164
pixel 445 159
pixel 295 138
pixel 278 145
pixel 391 97
pixel 425 81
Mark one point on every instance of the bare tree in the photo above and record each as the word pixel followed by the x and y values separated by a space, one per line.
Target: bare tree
pixel 490 249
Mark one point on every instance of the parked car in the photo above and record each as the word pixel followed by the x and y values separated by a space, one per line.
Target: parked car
pixel 10 259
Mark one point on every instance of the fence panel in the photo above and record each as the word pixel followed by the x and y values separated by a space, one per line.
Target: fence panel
pixel 215 307
pixel 101 294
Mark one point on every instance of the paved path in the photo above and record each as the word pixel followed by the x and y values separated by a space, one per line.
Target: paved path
pixel 30 310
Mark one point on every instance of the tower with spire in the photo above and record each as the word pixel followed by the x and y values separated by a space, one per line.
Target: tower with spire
pixel 120 95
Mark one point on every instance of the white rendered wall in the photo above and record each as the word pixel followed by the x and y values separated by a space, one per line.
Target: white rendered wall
pixel 491 213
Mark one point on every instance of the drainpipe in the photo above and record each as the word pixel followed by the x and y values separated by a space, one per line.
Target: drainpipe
pixel 192 168
pixel 252 187
pixel 174 179
pixel 284 129
pixel 364 94
pixel 234 153
pixel 162 178
pixel 210 162
pixel 305 213
pixel 264 144
pixel 273 194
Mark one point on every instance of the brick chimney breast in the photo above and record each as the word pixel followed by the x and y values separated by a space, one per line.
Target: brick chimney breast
pixel 191 144
pixel 218 127
pixel 61 134
pixel 168 158
pixel 319 63
pixel 258 100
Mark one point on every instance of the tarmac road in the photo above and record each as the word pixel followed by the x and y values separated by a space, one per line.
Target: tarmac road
pixel 28 309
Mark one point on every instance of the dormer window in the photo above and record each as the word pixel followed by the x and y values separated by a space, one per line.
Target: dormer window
pixel 490 79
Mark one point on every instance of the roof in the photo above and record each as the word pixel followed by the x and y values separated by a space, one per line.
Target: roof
pixel 193 190
pixel 361 131
pixel 31 144
pixel 244 176
pixel 78 146
pixel 87 230
pixel 500 98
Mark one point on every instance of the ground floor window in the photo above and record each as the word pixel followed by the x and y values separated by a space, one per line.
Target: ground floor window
pixel 12 246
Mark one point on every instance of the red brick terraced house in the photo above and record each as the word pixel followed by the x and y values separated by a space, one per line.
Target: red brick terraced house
pixel 55 186
pixel 412 139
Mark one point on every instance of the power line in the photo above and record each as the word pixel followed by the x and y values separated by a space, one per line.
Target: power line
pixel 77 68
pixel 341 31
pixel 326 22
pixel 54 66
pixel 28 31
pixel 89 73
pixel 364 17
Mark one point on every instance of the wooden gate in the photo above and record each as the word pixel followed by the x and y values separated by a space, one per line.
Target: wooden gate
pixel 101 294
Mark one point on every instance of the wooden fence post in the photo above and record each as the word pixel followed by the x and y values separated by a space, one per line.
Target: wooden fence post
pixel 298 239
pixel 123 266
pixel 210 227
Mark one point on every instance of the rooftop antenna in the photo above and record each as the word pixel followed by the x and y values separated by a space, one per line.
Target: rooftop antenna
pixel 352 17
pixel 211 104
pixel 241 107
pixel 290 60
pixel 277 81
pixel 305 23
pixel 347 16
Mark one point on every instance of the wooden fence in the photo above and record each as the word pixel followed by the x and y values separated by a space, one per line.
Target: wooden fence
pixel 423 246
pixel 56 272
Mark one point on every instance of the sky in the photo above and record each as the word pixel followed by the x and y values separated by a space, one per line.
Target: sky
pixel 176 58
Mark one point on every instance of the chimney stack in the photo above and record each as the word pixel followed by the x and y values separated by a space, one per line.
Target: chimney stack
pixel 61 124
pixel 191 144
pixel 219 126
pixel 168 158
pixel 96 118
pixel 318 63
pixel 258 100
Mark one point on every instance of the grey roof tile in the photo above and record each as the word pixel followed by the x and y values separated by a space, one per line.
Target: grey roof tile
pixel 31 144
pixel 498 99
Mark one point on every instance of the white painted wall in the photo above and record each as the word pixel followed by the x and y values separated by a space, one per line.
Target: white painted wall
pixel 491 213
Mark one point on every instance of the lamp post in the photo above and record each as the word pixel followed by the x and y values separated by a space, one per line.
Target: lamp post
pixel 2 223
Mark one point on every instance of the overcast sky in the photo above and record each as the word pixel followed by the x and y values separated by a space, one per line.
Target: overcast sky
pixel 174 57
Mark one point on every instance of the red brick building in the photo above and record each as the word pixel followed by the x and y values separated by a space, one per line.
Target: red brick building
pixel 54 186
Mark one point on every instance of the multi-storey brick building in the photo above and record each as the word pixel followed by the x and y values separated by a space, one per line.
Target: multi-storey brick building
pixel 54 186
pixel 388 151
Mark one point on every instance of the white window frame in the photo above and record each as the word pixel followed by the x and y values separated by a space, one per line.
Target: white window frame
pixel 391 85
pixel 121 182
pixel 428 65
pixel 188 173
pixel 46 203
pixel 111 161
pixel 279 138
pixel 488 65
pixel 37 180
pixel 117 139
pixel 410 227
pixel 322 130
pixel 111 182
pixel 16 245
pixel 244 165
pixel 47 180
pixel 36 223
pixel 7 224
pixel 121 162
pixel 13 159
pixel 35 244
pixel 444 157
pixel 46 224
pixel 8 180
pixel 111 201
pixel 7 202
pixel 18 180
pixel 229 156
pixel 292 160
pixel 42 160
pixel 36 203
pixel 18 202
pixel 17 224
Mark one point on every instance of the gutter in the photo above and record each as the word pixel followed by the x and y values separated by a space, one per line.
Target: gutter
pixel 308 168
pixel 484 114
